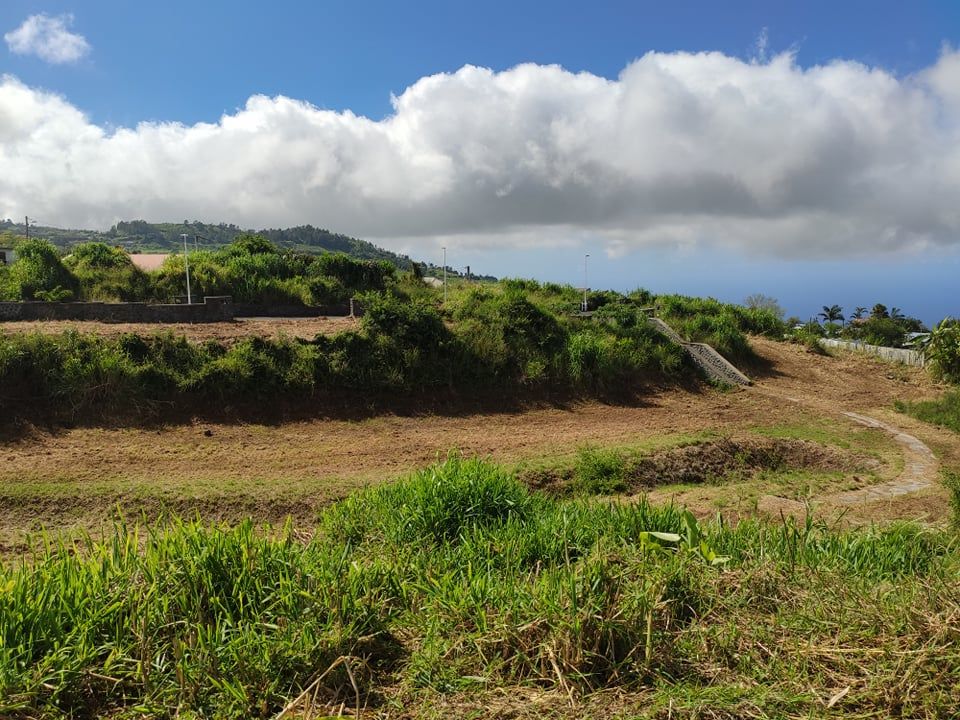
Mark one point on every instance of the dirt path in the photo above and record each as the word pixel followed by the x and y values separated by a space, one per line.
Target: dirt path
pixel 919 471
pixel 920 465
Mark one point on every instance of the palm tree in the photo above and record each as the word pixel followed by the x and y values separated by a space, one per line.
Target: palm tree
pixel 858 313
pixel 896 314
pixel 832 313
pixel 879 311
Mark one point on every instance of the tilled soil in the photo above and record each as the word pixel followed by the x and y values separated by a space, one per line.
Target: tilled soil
pixel 716 460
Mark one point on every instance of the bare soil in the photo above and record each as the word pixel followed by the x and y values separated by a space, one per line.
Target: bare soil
pixel 65 478
pixel 225 332
pixel 718 461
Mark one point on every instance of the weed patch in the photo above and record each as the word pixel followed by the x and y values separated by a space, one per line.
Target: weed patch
pixel 459 577
pixel 944 411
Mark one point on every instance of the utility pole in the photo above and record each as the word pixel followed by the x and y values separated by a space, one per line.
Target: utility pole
pixel 444 274
pixel 585 282
pixel 26 225
pixel 186 264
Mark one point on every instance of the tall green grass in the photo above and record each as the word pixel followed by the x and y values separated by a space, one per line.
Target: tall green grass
pixel 944 411
pixel 454 577
pixel 721 325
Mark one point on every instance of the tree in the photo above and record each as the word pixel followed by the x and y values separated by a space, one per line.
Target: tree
pixel 832 313
pixel 896 313
pixel 879 311
pixel 858 313
pixel 759 301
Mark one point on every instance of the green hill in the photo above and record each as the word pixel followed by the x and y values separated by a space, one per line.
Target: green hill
pixel 140 236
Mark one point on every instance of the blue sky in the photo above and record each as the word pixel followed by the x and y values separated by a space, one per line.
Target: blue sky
pixel 177 64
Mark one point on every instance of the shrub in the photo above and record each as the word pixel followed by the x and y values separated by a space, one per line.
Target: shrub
pixel 106 273
pixel 942 350
pixel 599 472
pixel 38 271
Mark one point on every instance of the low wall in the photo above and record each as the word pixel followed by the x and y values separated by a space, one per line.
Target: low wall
pixel 907 357
pixel 212 309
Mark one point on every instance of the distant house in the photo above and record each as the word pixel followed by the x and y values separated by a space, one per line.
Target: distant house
pixel 148 261
pixel 6 256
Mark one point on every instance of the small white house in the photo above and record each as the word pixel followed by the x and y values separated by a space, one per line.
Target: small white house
pixel 6 256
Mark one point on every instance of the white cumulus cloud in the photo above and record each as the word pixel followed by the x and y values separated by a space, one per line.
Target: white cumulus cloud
pixel 766 157
pixel 49 38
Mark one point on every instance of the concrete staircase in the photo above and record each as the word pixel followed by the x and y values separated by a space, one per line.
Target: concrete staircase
pixel 707 359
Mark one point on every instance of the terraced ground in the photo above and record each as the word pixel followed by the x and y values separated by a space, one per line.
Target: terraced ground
pixel 62 478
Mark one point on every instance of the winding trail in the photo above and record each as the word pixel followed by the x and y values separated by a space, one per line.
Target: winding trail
pixel 919 468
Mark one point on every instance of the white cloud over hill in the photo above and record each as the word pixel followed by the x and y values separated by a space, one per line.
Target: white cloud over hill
pixel 769 157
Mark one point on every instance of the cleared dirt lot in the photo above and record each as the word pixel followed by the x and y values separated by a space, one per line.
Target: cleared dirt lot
pixel 228 332
pixel 78 477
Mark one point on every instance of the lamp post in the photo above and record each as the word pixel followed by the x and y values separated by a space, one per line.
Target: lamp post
pixel 186 264
pixel 444 274
pixel 585 282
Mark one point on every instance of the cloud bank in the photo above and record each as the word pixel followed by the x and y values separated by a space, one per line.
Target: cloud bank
pixel 766 157
pixel 48 38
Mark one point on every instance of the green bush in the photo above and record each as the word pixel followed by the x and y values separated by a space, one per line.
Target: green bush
pixel 599 472
pixel 106 274
pixel 39 273
pixel 942 350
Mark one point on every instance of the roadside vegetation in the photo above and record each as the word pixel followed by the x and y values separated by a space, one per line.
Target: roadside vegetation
pixel 251 269
pixel 496 341
pixel 459 583
pixel 519 336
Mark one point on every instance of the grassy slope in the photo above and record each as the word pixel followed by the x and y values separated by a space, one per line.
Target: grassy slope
pixel 139 236
pixel 944 411
pixel 458 583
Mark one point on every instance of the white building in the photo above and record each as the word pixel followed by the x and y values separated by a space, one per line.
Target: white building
pixel 7 256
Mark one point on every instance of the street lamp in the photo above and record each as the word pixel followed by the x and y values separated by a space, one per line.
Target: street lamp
pixel 585 282
pixel 186 264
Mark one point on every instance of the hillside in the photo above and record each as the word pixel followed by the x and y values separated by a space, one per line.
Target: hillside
pixel 140 236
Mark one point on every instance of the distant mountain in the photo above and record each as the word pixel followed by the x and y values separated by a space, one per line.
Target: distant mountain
pixel 140 236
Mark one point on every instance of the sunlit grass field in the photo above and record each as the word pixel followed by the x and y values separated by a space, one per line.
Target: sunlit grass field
pixel 457 582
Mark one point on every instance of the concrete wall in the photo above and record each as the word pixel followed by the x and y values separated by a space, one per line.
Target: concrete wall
pixel 907 357
pixel 212 309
